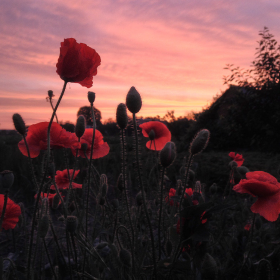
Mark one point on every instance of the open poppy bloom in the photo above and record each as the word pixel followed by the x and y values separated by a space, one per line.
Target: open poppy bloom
pixel 50 197
pixel 12 213
pixel 172 192
pixel 266 188
pixel 237 158
pixel 158 133
pixel 100 148
pixel 37 137
pixel 77 62
pixel 62 180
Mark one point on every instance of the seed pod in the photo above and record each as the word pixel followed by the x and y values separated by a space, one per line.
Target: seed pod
pixel 61 219
pixel 133 101
pixel 19 124
pixel 80 126
pixel 167 154
pixel 6 179
pixel 121 116
pixel 43 226
pixel 71 224
pixel 125 257
pixel 55 201
pixel 91 97
pixel 50 94
pixel 209 268
pixel 242 170
pixel 200 141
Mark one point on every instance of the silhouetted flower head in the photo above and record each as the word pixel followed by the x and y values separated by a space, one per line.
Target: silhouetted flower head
pixel 77 62
pixel 50 197
pixel 12 213
pixel 37 139
pixel 266 188
pixel 62 180
pixel 100 148
pixel 161 132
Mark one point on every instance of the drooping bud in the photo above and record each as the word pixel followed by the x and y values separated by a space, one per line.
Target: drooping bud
pixel 120 182
pixel 152 135
pixel 125 257
pixel 43 226
pixel 167 154
pixel 6 179
pixel 19 124
pixel 91 97
pixel 80 126
pixel 233 164
pixel 133 101
pixel 121 115
pixel 200 141
pixel 71 224
pixel 50 94
pixel 103 184
pixel 55 201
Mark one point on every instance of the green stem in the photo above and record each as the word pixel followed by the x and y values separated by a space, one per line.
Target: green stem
pixel 144 198
pixel 160 210
pixel 49 258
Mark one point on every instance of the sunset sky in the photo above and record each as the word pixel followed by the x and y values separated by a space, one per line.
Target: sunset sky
pixel 172 51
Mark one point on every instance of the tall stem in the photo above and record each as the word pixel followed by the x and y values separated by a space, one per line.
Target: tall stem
pixel 4 209
pixel 143 196
pixel 160 210
pixel 42 184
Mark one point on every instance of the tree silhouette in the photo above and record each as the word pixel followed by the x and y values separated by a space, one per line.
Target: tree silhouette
pixel 264 74
pixel 86 112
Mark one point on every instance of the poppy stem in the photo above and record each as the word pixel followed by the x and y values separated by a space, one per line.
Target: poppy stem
pixel 42 184
pixel 160 210
pixel 53 109
pixel 250 246
pixel 144 197
pixel 4 208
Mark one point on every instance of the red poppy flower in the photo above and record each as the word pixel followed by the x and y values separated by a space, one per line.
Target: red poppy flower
pixel 100 148
pixel 37 139
pixel 172 192
pixel 12 213
pixel 189 191
pixel 266 188
pixel 247 227
pixel 50 197
pixel 77 63
pixel 62 180
pixel 237 158
pixel 161 136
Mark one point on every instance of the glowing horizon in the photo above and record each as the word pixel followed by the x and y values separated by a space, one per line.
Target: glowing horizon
pixel 172 52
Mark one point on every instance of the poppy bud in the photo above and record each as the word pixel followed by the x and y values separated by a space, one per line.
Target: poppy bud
pixel 55 201
pixel 104 190
pixel 120 182
pixel 50 94
pixel 152 135
pixel 71 224
pixel 80 126
pixel 133 101
pixel 200 141
pixel 19 124
pixel 139 199
pixel 115 203
pixel 233 164
pixel 167 154
pixel 101 200
pixel 209 269
pixel 242 170
pixel 91 97
pixel 61 219
pixel 43 226
pixel 101 245
pixel 6 179
pixel 213 189
pixel 121 115
pixel 197 187
pixel 125 257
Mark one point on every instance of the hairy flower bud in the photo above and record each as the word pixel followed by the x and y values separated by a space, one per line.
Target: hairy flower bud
pixel 200 141
pixel 43 226
pixel 125 257
pixel 139 199
pixel 19 124
pixel 133 101
pixel 120 182
pixel 80 126
pixel 91 97
pixel 121 115
pixel 6 179
pixel 71 224
pixel 242 170
pixel 167 154
pixel 104 190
